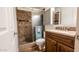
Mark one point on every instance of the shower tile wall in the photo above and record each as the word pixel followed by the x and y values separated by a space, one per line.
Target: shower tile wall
pixel 24 26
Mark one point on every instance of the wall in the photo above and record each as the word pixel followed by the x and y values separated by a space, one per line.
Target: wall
pixel 47 17
pixel 68 16
pixel 36 21
pixel 77 39
pixel 24 26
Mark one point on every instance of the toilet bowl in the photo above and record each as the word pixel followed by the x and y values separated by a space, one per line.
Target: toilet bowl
pixel 40 42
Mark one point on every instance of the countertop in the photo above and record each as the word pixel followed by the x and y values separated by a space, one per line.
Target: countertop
pixel 68 33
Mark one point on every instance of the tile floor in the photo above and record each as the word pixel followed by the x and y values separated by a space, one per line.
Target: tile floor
pixel 30 47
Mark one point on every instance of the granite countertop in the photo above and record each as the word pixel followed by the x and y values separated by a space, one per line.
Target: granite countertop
pixel 68 33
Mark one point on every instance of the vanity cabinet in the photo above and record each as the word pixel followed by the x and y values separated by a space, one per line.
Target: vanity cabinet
pixel 56 42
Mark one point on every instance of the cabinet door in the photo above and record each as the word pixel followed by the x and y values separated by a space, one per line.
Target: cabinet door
pixel 51 45
pixel 63 48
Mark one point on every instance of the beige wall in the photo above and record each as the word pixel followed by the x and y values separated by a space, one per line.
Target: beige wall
pixel 77 39
pixel 68 16
pixel 47 17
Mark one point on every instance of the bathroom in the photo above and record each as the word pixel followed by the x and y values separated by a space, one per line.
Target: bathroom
pixel 55 24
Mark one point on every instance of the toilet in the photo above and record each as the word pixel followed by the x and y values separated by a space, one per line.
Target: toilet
pixel 39 38
pixel 40 42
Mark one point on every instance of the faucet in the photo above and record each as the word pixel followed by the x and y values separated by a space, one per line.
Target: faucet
pixel 66 28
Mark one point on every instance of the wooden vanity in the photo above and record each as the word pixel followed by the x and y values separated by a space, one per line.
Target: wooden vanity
pixel 56 42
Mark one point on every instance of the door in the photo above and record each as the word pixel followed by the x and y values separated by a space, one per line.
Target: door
pixel 8 41
pixel 63 48
pixel 50 45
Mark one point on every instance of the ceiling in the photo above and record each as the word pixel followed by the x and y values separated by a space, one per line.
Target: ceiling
pixel 33 9
pixel 40 8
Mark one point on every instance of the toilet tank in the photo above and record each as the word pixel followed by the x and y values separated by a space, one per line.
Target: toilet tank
pixel 38 32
